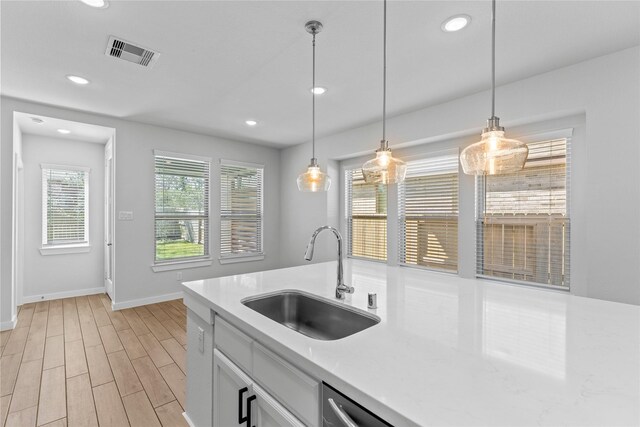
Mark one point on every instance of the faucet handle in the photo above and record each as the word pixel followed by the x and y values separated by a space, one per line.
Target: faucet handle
pixel 346 288
pixel 342 289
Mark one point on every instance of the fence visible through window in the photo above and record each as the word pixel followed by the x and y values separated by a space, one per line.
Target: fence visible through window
pixel 428 213
pixel 241 201
pixel 366 210
pixel 523 223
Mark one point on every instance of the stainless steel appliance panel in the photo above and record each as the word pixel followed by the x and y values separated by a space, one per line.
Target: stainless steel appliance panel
pixel 340 411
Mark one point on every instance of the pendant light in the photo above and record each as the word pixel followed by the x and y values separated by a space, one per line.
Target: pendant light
pixel 494 154
pixel 384 169
pixel 313 180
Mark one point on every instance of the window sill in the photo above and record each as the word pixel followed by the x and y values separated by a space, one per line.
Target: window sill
pixel 515 282
pixel 241 258
pixel 431 269
pixel 362 258
pixel 179 265
pixel 66 249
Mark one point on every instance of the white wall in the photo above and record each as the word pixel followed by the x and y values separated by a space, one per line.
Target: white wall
pixel 134 240
pixel 64 274
pixel 606 178
pixel 10 315
pixel 605 257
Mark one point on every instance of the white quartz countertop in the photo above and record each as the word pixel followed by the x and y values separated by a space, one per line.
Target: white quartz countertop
pixel 452 351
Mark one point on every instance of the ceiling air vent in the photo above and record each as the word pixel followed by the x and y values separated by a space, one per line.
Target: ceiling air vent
pixel 122 49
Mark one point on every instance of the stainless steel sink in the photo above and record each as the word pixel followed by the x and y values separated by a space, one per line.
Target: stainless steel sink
pixel 310 315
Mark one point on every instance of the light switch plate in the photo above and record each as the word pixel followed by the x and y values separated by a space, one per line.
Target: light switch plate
pixel 125 215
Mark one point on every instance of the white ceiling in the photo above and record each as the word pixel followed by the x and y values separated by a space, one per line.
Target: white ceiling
pixel 223 62
pixel 50 125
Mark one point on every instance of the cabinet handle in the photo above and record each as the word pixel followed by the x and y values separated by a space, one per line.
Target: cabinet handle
pixel 249 400
pixel 342 415
pixel 241 419
pixel 247 418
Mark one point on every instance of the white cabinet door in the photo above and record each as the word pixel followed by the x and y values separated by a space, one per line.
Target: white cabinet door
pixel 234 392
pixel 232 388
pixel 269 413
pixel 199 369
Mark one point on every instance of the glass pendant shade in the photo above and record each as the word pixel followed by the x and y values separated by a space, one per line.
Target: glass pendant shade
pixel 384 169
pixel 314 180
pixel 494 155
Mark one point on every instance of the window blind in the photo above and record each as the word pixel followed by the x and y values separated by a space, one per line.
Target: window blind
pixel 241 204
pixel 181 207
pixel 523 224
pixel 428 213
pixel 65 206
pixel 366 211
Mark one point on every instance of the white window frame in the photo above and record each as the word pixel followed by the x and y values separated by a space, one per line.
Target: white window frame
pixel 349 165
pixel 251 256
pixel 570 125
pixel 567 134
pixel 452 152
pixel 72 247
pixel 185 262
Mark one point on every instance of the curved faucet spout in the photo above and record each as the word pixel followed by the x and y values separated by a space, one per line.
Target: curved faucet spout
pixel 308 255
pixel 341 288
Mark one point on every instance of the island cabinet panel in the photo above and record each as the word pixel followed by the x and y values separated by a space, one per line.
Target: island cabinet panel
pixel 287 384
pixel 285 396
pixel 199 368
pixel 198 308
pixel 233 343
pixel 270 413
pixel 232 390
pixel 239 401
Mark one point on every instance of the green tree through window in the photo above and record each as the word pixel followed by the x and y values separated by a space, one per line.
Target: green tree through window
pixel 181 207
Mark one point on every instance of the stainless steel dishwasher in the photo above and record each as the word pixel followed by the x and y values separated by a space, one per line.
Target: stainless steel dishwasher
pixel 340 411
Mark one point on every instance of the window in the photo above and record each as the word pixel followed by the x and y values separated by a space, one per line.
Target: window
pixel 241 199
pixel 523 223
pixel 182 207
pixel 428 213
pixel 65 206
pixel 366 212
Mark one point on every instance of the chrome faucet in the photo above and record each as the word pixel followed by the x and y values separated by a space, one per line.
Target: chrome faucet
pixel 341 288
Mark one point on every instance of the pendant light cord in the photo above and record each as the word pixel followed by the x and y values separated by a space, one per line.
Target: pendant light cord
pixel 313 100
pixel 493 59
pixel 384 76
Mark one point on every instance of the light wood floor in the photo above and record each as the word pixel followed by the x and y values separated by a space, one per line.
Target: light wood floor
pixel 74 362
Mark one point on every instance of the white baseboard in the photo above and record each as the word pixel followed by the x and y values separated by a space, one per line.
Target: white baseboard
pixel 187 419
pixel 5 326
pixel 65 294
pixel 144 301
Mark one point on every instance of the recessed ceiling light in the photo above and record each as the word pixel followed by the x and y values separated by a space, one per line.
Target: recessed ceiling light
pixel 78 80
pixel 37 120
pixel 64 131
pixel 455 23
pixel 251 122
pixel 318 90
pixel 96 3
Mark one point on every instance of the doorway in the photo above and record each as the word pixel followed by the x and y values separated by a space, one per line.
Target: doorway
pixel 49 261
pixel 109 217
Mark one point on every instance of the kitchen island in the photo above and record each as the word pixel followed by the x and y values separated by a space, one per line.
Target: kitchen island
pixel 447 351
